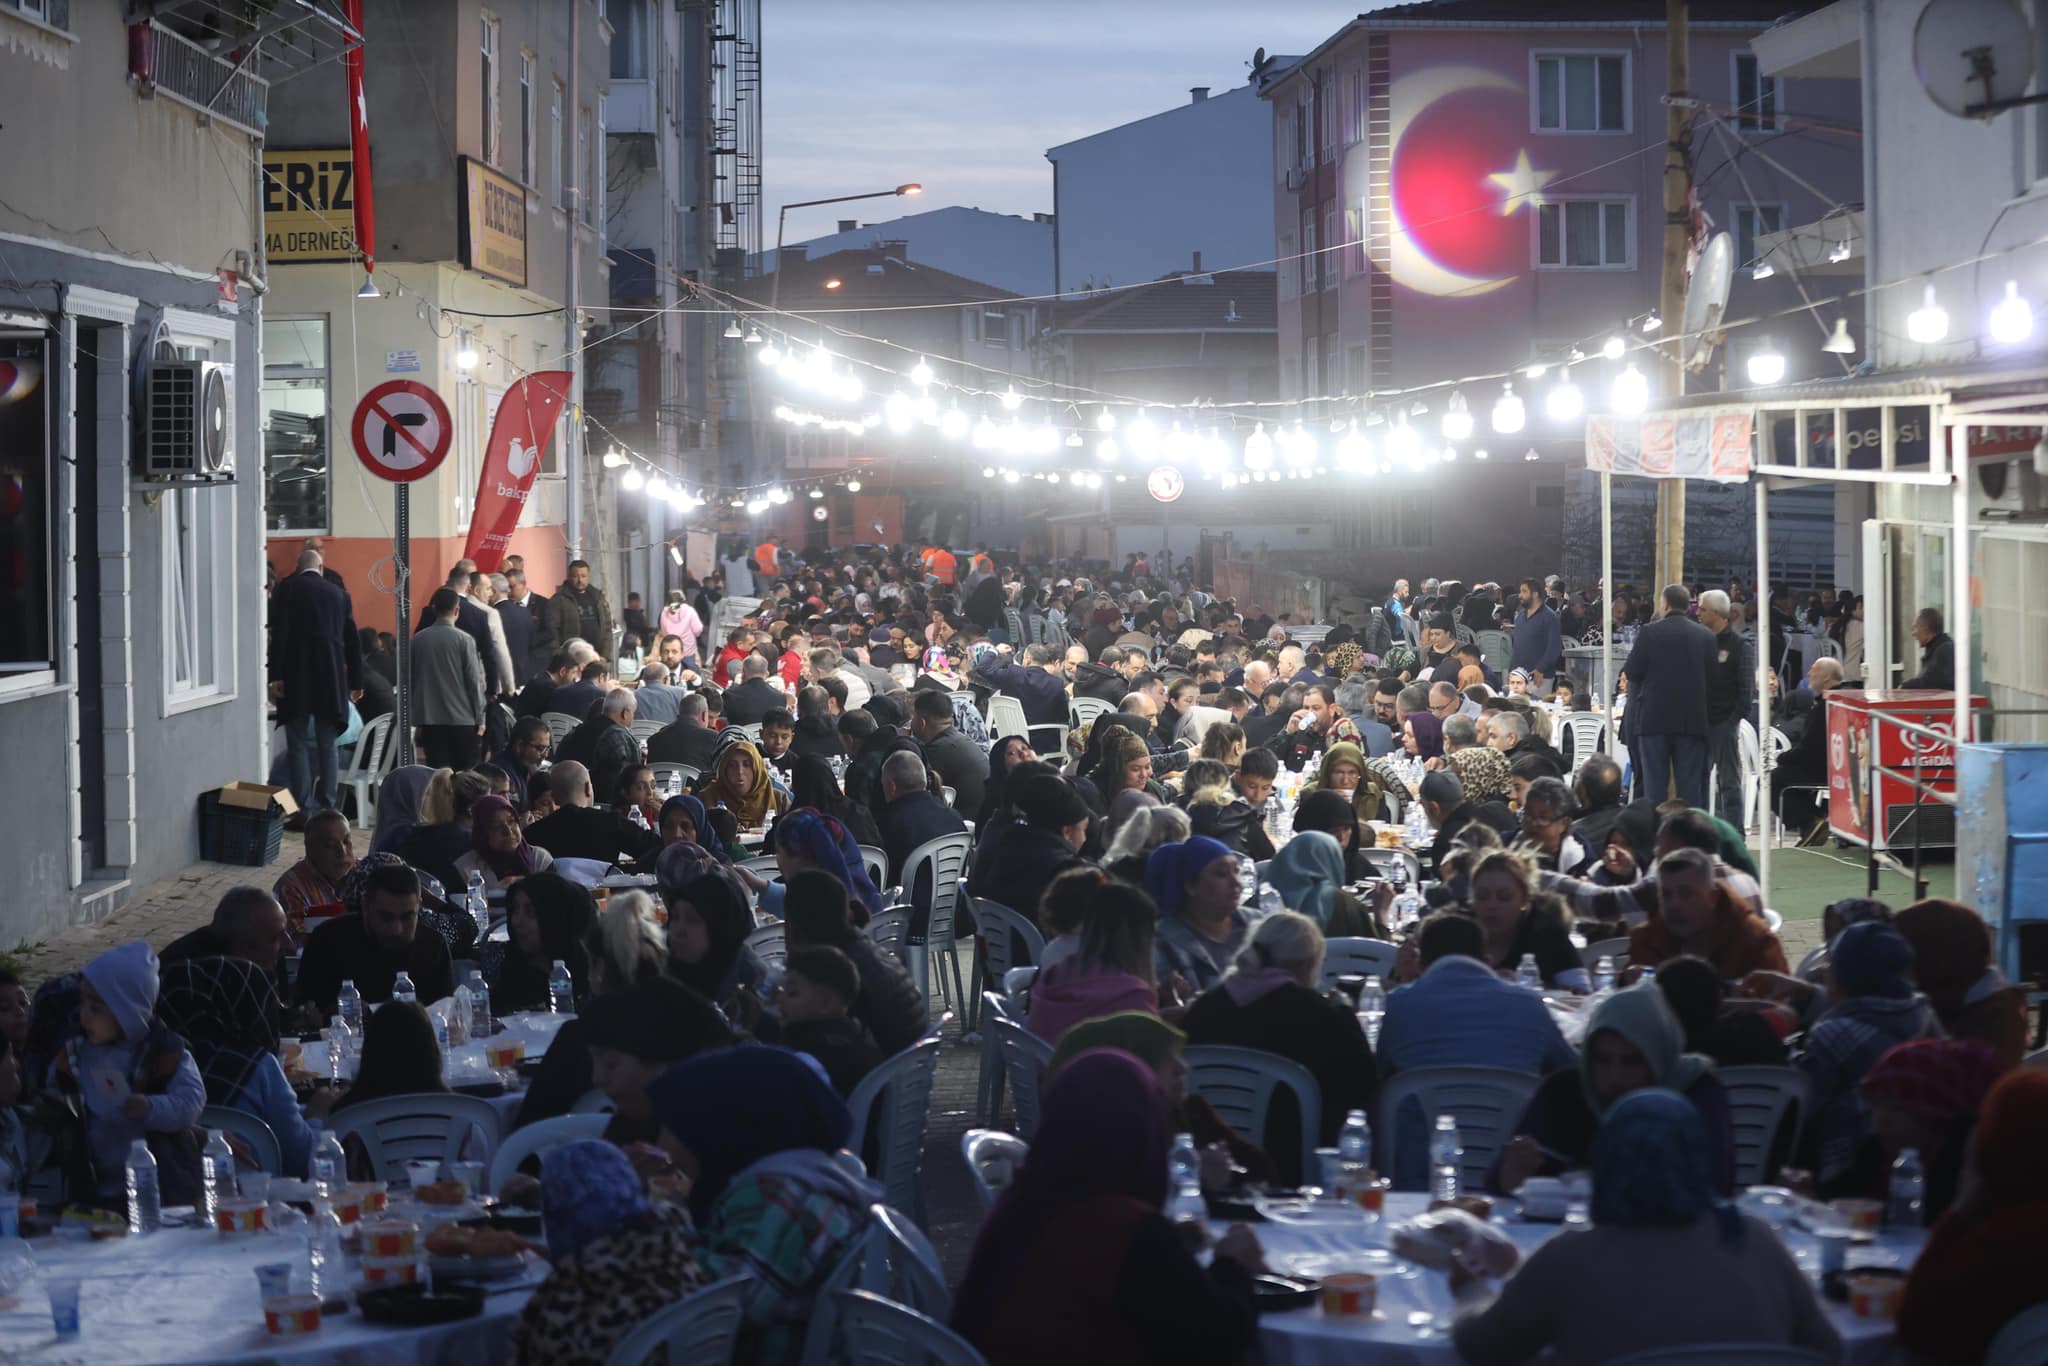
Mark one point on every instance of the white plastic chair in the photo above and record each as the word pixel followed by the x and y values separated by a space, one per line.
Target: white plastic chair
pixel 1617 949
pixel 1008 937
pixel 1723 1354
pixel 593 1102
pixel 876 861
pixel 947 859
pixel 993 1158
pixel 989 1081
pixel 1496 649
pixel 1581 735
pixel 1006 717
pixel 678 776
pixel 878 1332
pixel 1385 861
pixel 1024 1057
pixel 2023 1341
pixel 752 731
pixel 1359 956
pixel 643 731
pixel 252 1130
pixel 559 724
pixel 1239 1084
pixel 892 1258
pixel 540 1138
pixel 895 1100
pixel 767 944
pixel 1758 1100
pixel 701 1327
pixel 427 1126
pixel 888 931
pixel 367 766
pixel 1486 1101
pixel 1086 709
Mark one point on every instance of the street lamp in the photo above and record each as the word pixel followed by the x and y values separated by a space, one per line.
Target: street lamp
pixel 782 214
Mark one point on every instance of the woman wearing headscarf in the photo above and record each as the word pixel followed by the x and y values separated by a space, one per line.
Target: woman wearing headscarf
pixel 615 1257
pixel 1078 1265
pixel 1924 1095
pixel 1952 963
pixel 498 848
pixel 227 1011
pixel 757 1128
pixel 1422 735
pixel 1484 772
pixel 633 1035
pixel 398 805
pixel 814 786
pixel 1633 1041
pixel 1664 1264
pixel 808 838
pixel 546 919
pixel 1631 848
pixel 740 783
pixel 683 822
pixel 708 924
pixel 1003 757
pixel 1201 925
pixel 1272 1000
pixel 1982 1266
pixel 1308 872
pixel 1329 813
pixel 1343 769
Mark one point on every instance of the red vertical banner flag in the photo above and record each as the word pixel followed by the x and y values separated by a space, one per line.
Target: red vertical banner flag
pixel 359 140
pixel 519 437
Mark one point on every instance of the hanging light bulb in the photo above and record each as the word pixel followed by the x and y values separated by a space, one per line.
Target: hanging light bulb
pixel 1142 436
pixel 1457 419
pixel 2012 321
pixel 1479 454
pixel 657 489
pixel 1075 441
pixel 465 358
pixel 1011 476
pixel 675 553
pixel 1535 371
pixel 754 337
pixel 1105 420
pixel 1840 251
pixel 1418 409
pixel 853 486
pixel 920 373
pixel 733 331
pixel 1631 392
pixel 1928 323
pixel 1258 448
pixel 1300 445
pixel 1653 321
pixel 369 289
pixel 771 355
pixel 1106 449
pixel 632 481
pixel 953 425
pixel 757 506
pixel 1614 347
pixel 817 493
pixel 1564 402
pixel 614 458
pixel 1012 400
pixel 1530 454
pixel 1404 442
pixel 1354 452
pixel 1508 415
pixel 1766 364
pixel 778 495
pixel 1839 342
pixel 1762 270
pixel 896 409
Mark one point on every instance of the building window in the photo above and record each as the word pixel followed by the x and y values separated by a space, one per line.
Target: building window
pixel 561 141
pixel 1359 381
pixel 1354 241
pixel 1754 222
pixel 1332 227
pixel 603 195
pixel 1288 275
pixel 1354 106
pixel 1304 130
pixel 198 524
pixel 28 639
pixel 586 166
pixel 1581 93
pixel 1756 96
pixel 529 147
pixel 629 40
pixel 1584 234
pixel 55 13
pixel 488 73
pixel 995 328
pixel 1326 114
pixel 296 450
pixel 1311 263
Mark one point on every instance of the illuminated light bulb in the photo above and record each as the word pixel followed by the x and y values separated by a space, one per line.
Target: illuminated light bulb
pixel 465 359
pixel 1762 270
pixel 1508 415
pixel 1106 449
pixel 1299 444
pixel 754 337
pixel 988 471
pixel 770 354
pixel 1450 454
pixel 953 425
pixel 896 408
pixel 1479 454
pixel 817 493
pixel 1420 409
pixel 1536 371
pixel 1929 322
pixel 778 496
pixel 985 434
pixel 614 458
pixel 1653 321
pixel 1010 476
pixel 1404 442
pixel 1840 251
pixel 733 331
pixel 851 388
pixel 1075 441
pixel 2012 321
pixel 1614 347
pixel 1143 435
pixel 757 506
pixel 1631 393
pixel 1105 420
pixel 921 373
pixel 1766 365
pixel 1530 454
pixel 1839 342
pixel 1354 452
pixel 1052 479
pixel 1012 400
pixel 853 486
pixel 1457 419
pixel 1564 402
pixel 632 481
pixel 1258 448
pixel 675 552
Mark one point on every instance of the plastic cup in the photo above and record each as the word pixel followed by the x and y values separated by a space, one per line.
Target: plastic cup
pixel 375 1196
pixel 1876 1297
pixel 240 1216
pixel 1371 1195
pixel 470 1174
pixel 1862 1216
pixel 290 1315
pixel 420 1175
pixel 1350 1295
pixel 390 1238
pixel 391 1271
pixel 273 1281
pixel 254 1185
pixel 1834 1250
pixel 63 1305
pixel 348 1207
pixel 1330 1166
pixel 508 1053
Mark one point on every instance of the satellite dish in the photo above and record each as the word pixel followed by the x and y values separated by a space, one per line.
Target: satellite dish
pixel 1974 57
pixel 1706 302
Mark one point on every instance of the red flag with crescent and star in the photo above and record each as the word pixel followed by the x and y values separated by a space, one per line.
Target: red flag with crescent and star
pixel 359 140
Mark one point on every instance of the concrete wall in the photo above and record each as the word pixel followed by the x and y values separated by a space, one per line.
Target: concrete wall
pixel 1137 201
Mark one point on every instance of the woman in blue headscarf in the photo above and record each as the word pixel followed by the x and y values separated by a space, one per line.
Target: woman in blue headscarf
pixel 1664 1265
pixel 617 1256
pixel 683 821
pixel 808 838
pixel 1201 927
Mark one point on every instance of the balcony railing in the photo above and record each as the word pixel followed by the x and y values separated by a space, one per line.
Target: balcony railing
pixel 168 64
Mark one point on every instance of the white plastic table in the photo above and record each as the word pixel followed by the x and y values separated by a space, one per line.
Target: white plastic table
pixel 467 1063
pixel 189 1296
pixel 1401 1337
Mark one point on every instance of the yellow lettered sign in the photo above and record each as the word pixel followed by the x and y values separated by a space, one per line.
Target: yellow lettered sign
pixel 493 223
pixel 309 205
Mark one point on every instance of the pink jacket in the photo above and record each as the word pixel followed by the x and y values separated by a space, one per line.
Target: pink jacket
pixel 1071 991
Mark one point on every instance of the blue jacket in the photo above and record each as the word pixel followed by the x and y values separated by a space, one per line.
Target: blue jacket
pixel 1044 696
pixel 1538 642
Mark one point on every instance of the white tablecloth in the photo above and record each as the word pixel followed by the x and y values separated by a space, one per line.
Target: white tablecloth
pixel 467 1062
pixel 189 1295
pixel 1305 1338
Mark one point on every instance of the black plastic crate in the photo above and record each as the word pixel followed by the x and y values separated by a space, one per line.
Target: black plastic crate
pixel 236 834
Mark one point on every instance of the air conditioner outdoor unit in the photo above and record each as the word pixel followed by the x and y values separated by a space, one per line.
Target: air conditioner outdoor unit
pixel 1296 178
pixel 187 430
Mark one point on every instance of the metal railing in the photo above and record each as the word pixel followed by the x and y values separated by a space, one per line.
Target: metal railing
pixel 186 72
pixel 1937 741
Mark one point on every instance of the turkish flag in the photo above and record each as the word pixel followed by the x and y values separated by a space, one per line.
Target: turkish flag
pixel 359 140
pixel 519 437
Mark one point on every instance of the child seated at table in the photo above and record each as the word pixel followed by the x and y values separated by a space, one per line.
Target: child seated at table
pixel 125 1075
pixel 819 986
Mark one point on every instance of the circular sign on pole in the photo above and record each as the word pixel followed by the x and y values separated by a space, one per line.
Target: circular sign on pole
pixel 401 431
pixel 1165 484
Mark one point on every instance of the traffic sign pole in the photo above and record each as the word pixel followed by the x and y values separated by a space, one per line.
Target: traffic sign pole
pixel 401 560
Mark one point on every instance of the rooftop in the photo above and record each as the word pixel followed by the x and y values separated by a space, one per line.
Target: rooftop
pixel 1615 13
pixel 1217 301
pixel 878 273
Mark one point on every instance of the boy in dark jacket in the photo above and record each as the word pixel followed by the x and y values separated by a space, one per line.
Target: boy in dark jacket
pixel 819 986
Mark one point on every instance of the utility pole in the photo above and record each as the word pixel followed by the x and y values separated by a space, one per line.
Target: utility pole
pixel 572 331
pixel 1670 553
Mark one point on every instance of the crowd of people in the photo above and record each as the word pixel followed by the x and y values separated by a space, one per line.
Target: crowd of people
pixel 1127 842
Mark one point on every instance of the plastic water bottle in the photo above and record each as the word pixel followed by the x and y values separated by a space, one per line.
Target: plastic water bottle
pixel 1270 814
pixel 561 990
pixel 1269 900
pixel 637 816
pixel 1603 974
pixel 328 1165
pixel 478 905
pixel 145 1208
pixel 1354 1143
pixel 1185 1205
pixel 1908 1192
pixel 1444 1154
pixel 480 1023
pixel 1372 1007
pixel 458 1017
pixel 402 988
pixel 329 1273
pixel 1527 975
pixel 216 1173
pixel 441 1040
pixel 351 1007
pixel 1649 975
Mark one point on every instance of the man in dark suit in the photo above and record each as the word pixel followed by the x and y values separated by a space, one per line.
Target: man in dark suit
pixel 315 667
pixel 1937 653
pixel 912 816
pixel 685 740
pixel 517 623
pixel 538 641
pixel 1667 671
pixel 579 828
pixel 473 622
pixel 538 696
pixel 754 696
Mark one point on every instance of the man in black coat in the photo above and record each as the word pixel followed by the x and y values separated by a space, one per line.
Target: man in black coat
pixel 685 740
pixel 517 622
pixel 580 829
pixel 1039 683
pixel 962 764
pixel 1667 671
pixel 539 641
pixel 754 696
pixel 315 667
pixel 1937 653
pixel 605 744
pixel 537 698
pixel 911 816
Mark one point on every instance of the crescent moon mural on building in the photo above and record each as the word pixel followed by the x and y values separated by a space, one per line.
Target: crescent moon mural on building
pixel 1455 191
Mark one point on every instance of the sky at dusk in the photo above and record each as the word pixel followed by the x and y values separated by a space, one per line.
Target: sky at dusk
pixel 964 96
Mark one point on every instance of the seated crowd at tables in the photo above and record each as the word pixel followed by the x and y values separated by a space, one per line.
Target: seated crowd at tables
pixel 730 1099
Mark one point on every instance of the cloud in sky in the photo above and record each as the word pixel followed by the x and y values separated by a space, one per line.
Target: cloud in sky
pixel 966 95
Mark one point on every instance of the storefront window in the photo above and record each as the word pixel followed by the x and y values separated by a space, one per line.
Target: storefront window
pixel 297 452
